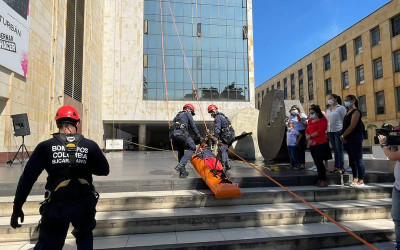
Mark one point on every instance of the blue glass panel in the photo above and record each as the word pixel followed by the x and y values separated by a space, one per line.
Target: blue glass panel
pixel 188 95
pixel 205 30
pixel 187 29
pixel 160 75
pixel 179 94
pixel 160 94
pixel 231 45
pixel 222 31
pixel 222 12
pixel 214 77
pixel 231 64
pixel 188 85
pixel 214 44
pixel 206 63
pixel 170 75
pixel 152 42
pixel 152 94
pixel 187 10
pixel 230 13
pixel 205 11
pixel 214 63
pixel 179 62
pixel 231 77
pixel 213 30
pixel 178 75
pixel 205 74
pixel 223 77
pixel 153 8
pixel 213 12
pixel 230 33
pixel 178 9
pixel 222 43
pixel 223 63
pixel 170 85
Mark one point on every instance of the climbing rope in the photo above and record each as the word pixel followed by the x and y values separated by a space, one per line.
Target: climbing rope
pixel 254 167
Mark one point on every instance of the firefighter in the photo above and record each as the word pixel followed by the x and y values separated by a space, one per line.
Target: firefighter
pixel 181 140
pixel 70 160
pixel 223 131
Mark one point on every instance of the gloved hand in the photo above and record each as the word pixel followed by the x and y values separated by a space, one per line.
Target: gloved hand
pixel 17 213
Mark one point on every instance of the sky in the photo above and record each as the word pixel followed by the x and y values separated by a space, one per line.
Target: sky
pixel 287 30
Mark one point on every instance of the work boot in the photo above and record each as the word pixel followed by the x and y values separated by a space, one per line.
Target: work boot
pixel 227 165
pixel 182 170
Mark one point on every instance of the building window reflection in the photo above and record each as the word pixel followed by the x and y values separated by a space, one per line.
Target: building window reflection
pixel 211 34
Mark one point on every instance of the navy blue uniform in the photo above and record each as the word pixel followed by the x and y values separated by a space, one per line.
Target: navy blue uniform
pixel 74 203
pixel 225 133
pixel 180 136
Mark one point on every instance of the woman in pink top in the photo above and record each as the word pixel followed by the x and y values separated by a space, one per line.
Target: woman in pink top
pixel 316 137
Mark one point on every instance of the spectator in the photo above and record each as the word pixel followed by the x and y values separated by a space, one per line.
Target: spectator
pixel 393 154
pixel 299 120
pixel 352 139
pixel 335 115
pixel 319 147
pixel 293 138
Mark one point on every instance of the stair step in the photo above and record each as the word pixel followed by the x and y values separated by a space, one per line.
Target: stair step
pixel 205 218
pixel 195 183
pixel 297 236
pixel 205 198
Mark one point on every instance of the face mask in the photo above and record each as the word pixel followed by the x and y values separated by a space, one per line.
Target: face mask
pixel 331 102
pixel 295 112
pixel 347 104
pixel 312 116
pixel 290 129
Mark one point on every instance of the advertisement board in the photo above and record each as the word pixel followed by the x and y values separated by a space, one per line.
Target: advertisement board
pixel 14 35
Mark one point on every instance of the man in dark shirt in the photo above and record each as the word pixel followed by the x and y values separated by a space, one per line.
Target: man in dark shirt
pixel 179 134
pixel 223 131
pixel 70 160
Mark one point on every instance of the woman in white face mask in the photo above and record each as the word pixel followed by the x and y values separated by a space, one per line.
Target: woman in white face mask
pixel 335 114
pixel 299 120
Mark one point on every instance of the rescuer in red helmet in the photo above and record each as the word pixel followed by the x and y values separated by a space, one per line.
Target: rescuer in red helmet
pixel 181 140
pixel 70 160
pixel 224 132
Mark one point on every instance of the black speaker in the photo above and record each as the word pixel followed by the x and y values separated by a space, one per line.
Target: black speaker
pixel 21 124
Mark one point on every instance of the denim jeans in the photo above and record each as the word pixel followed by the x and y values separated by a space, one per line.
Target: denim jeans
pixel 301 148
pixel 355 152
pixel 337 146
pixel 396 213
pixel 293 156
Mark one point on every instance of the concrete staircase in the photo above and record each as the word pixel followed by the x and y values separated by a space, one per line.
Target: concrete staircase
pixel 264 217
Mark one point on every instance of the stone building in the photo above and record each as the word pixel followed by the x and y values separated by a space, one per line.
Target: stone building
pixel 363 60
pixel 105 58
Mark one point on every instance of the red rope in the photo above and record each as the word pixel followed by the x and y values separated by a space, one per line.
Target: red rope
pixel 165 75
pixel 265 175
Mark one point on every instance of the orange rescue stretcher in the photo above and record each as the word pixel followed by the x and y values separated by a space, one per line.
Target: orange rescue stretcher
pixel 219 183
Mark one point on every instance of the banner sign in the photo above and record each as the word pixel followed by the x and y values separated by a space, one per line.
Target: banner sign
pixel 116 144
pixel 14 35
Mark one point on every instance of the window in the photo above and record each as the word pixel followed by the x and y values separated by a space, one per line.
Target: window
pixel 272 87
pixel 262 94
pixel 146 26
pixel 380 102
pixel 258 98
pixel 301 90
pixel 360 74
pixel 145 60
pixel 398 98
pixel 328 86
pixel 395 26
pixel 375 36
pixel 74 49
pixel 292 87
pixel 378 70
pixel 327 62
pixel 358 45
pixel 345 80
pixel 343 53
pixel 268 90
pixel 278 85
pixel 362 105
pixel 396 57
pixel 310 82
pixel 285 94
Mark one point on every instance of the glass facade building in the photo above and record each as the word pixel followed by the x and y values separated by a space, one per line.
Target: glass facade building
pixel 214 38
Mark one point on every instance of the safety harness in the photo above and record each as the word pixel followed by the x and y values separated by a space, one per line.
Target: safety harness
pixel 227 128
pixel 177 124
pixel 70 174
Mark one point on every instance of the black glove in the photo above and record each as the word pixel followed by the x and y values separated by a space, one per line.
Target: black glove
pixel 17 213
pixel 198 140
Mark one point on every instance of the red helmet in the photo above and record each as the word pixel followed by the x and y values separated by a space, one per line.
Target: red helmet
pixel 67 111
pixel 211 108
pixel 188 105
